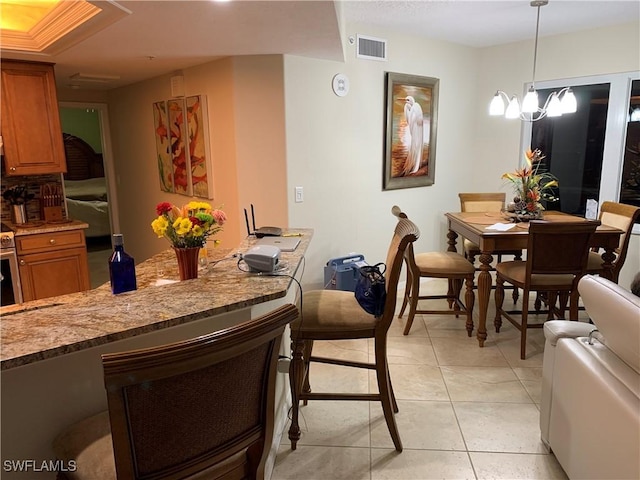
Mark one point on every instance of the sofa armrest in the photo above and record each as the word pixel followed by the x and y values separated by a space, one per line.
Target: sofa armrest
pixel 554 330
pixel 616 314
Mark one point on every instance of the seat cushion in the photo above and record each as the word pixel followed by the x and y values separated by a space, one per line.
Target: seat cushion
pixel 595 262
pixel 332 311
pixel 443 264
pixel 515 273
pixel 88 443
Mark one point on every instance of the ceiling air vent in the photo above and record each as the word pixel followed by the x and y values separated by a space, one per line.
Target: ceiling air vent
pixel 371 48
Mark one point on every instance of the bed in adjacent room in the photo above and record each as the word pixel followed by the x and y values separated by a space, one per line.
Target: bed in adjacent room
pixel 85 187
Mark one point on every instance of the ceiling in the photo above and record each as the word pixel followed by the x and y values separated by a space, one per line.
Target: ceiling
pixel 154 38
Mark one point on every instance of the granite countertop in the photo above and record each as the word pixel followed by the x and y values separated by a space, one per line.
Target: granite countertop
pixel 33 228
pixel 50 327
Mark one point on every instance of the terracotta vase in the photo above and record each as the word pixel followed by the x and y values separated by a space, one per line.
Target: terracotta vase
pixel 187 262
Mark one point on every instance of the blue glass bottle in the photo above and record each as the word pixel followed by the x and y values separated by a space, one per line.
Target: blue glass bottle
pixel 122 268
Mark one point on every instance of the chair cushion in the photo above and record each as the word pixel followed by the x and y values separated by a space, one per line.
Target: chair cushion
pixel 443 264
pixel 515 273
pixel 595 262
pixel 88 443
pixel 332 311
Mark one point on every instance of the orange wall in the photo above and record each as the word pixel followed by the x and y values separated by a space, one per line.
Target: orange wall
pixel 247 147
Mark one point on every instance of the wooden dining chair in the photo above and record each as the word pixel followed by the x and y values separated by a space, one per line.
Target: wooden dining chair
pixel 621 216
pixel 336 315
pixel 450 265
pixel 557 254
pixel 197 409
pixel 480 202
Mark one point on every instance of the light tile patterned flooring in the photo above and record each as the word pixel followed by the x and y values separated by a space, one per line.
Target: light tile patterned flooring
pixel 465 412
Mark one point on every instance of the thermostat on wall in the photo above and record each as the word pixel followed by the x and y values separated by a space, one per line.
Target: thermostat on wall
pixel 340 84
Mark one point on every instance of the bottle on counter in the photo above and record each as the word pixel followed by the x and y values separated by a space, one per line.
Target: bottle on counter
pixel 122 268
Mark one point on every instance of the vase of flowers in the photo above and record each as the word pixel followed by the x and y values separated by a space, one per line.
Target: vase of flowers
pixel 187 229
pixel 531 185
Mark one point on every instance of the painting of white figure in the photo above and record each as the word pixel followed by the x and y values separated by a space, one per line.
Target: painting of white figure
pixel 411 123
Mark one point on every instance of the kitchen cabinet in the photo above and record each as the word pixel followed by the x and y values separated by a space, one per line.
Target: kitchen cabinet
pixel 52 264
pixel 31 130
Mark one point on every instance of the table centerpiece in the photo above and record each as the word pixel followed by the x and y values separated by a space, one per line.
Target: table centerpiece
pixel 531 184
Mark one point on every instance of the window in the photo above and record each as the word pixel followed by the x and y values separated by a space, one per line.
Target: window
pixel 595 151
pixel 630 184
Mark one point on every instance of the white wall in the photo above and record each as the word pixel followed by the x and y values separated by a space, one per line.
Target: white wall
pixel 335 146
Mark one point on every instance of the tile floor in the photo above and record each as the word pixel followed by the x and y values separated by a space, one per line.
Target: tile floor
pixel 465 412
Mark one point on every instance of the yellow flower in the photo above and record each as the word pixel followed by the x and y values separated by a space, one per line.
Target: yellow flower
pixel 197 231
pixel 160 226
pixel 199 206
pixel 182 226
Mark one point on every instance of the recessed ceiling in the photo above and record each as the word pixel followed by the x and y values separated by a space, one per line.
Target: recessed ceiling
pixel 48 27
pixel 23 15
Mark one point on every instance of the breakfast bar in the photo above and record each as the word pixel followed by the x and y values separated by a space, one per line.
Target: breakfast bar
pixel 51 348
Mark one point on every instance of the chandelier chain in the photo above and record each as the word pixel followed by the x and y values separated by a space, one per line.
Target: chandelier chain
pixel 535 49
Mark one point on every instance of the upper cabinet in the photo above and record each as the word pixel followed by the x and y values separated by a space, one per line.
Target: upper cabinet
pixel 30 126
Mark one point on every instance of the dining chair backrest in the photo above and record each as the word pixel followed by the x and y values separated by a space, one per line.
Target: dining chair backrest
pixel 187 407
pixel 406 232
pixel 559 247
pixel 621 216
pixel 481 201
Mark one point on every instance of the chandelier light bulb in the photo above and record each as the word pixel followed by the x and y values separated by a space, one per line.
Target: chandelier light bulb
pixel 569 103
pixel 554 109
pixel 530 101
pixel 497 105
pixel 635 115
pixel 513 110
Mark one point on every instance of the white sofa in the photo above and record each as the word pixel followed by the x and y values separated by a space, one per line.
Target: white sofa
pixel 590 406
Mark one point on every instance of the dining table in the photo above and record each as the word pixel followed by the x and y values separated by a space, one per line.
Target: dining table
pixel 493 232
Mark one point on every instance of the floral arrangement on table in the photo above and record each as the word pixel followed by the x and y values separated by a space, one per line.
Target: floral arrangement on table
pixel 531 184
pixel 189 226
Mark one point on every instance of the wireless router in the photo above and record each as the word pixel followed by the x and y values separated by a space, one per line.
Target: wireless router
pixel 262 231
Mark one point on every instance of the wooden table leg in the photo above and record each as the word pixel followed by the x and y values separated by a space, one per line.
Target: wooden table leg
pixel 484 292
pixel 451 241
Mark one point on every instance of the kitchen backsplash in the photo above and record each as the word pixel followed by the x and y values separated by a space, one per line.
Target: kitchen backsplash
pixel 33 183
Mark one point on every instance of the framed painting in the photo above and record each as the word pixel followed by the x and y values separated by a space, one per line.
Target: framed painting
pixel 163 150
pixel 201 178
pixel 178 147
pixel 411 124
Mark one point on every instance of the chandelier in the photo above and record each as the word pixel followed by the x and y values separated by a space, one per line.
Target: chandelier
pixel 556 104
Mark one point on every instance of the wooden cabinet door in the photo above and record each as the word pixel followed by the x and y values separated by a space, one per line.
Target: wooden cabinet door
pixel 54 273
pixel 31 130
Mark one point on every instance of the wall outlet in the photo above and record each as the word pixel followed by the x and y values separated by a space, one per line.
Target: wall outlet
pixel 299 195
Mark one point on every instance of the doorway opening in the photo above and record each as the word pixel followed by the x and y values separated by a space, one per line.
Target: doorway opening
pixel 89 183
